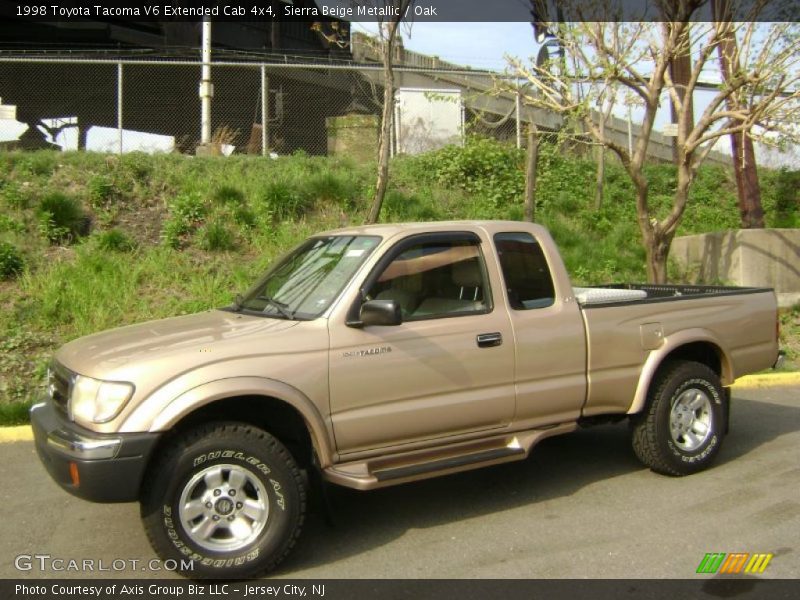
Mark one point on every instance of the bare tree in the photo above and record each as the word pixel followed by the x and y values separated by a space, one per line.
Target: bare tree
pixel 605 114
pixel 387 35
pixel 765 91
pixel 531 168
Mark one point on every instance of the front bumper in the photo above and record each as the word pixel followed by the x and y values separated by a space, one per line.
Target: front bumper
pixel 107 467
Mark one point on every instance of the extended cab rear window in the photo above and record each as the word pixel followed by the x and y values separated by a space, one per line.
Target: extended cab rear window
pixel 525 272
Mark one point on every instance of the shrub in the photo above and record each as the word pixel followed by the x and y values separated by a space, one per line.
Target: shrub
pixel 137 165
pixel 284 200
pixel 189 207
pixel 13 196
pixel 565 182
pixel 329 186
pixel 175 233
pixel 187 212
pixel 8 223
pixel 16 413
pixel 11 263
pixel 216 237
pixel 61 218
pixel 787 198
pixel 227 194
pixel 415 207
pixel 115 240
pixel 482 166
pixel 49 230
pixel 42 162
pixel 244 217
pixel 100 189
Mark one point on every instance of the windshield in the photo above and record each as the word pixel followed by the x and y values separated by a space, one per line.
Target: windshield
pixel 307 280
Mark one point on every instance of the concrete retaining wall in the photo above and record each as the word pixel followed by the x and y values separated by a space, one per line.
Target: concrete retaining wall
pixel 747 257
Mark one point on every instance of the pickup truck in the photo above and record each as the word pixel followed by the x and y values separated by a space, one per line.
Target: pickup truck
pixel 379 355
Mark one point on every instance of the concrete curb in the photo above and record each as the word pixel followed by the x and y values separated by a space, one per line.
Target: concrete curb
pixel 21 433
pixel 762 380
pixel 24 433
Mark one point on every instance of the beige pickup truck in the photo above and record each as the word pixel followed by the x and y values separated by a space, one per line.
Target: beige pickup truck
pixel 373 356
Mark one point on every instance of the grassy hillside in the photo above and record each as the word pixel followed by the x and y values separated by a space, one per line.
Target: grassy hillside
pixel 90 241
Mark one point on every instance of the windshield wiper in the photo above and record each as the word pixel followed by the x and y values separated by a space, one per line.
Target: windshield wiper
pixel 281 306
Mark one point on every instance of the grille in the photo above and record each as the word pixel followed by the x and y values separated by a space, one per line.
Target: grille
pixel 59 386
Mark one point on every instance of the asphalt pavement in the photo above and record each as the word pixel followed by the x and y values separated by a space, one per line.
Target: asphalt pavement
pixel 580 507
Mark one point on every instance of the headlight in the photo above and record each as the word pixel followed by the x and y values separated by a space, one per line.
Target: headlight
pixel 95 401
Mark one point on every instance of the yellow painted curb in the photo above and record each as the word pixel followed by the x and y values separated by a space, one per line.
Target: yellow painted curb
pixel 22 433
pixel 763 380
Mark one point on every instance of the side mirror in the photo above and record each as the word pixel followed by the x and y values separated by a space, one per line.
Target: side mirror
pixel 380 312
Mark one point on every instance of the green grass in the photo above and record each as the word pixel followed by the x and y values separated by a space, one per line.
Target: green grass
pixel 790 337
pixel 15 413
pixel 115 240
pixel 172 234
pixel 61 218
pixel 215 236
pixel 11 261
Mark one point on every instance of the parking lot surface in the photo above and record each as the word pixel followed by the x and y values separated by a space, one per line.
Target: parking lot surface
pixel 580 506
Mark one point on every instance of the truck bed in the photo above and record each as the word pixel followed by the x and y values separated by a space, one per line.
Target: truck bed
pixel 622 335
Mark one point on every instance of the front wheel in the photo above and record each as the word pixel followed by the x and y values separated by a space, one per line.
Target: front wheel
pixel 224 500
pixel 683 423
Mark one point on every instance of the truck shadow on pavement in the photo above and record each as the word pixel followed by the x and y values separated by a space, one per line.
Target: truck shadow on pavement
pixel 558 467
pixel 754 423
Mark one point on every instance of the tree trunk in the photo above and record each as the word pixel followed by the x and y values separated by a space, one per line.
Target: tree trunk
pixel 657 254
pixel 386 125
pixel 656 243
pixel 531 168
pixel 601 173
pixel 680 69
pixel 744 158
pixel 747 186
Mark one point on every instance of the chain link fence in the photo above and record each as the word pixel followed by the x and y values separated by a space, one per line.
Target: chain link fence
pixel 263 108
pixel 257 108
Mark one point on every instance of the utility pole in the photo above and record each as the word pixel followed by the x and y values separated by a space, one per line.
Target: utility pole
pixel 206 91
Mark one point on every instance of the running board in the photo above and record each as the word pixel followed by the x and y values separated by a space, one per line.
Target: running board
pixel 398 468
pixel 450 463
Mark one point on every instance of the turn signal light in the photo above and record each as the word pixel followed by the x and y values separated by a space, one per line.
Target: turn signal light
pixel 74 475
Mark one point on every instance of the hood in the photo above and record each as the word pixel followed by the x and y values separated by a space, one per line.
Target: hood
pixel 201 337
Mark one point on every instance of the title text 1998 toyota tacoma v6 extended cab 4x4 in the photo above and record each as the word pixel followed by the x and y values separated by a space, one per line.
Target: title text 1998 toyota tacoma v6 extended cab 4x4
pixel 381 355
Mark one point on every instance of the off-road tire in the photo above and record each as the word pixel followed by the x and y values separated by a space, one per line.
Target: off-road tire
pixel 271 476
pixel 653 430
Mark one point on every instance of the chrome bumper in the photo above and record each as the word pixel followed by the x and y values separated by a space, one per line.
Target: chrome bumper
pixel 75 446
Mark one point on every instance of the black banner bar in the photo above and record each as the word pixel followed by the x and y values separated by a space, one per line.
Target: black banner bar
pixel 741 588
pixel 376 10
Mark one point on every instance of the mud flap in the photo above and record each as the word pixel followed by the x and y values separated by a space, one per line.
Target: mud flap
pixel 727 408
pixel 319 488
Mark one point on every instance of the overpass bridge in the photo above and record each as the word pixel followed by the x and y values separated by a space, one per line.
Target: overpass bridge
pixel 481 96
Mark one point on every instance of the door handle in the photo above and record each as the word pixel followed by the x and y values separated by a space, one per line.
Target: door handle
pixel 489 340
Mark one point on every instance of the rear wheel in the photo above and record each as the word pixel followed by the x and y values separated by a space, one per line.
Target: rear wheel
pixel 226 496
pixel 682 426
